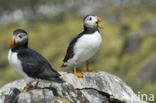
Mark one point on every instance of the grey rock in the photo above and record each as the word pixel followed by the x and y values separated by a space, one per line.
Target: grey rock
pixel 148 72
pixel 148 27
pixel 99 87
pixel 133 43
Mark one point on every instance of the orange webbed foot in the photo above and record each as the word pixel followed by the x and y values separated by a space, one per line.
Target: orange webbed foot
pixel 26 89
pixel 80 75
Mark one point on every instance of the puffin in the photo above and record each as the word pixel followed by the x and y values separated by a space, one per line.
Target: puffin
pixel 29 63
pixel 84 45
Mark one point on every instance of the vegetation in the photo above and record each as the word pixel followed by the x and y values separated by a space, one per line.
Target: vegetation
pixel 51 38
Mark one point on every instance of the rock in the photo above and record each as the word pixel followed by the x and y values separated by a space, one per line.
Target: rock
pixel 99 87
pixel 148 27
pixel 133 43
pixel 148 72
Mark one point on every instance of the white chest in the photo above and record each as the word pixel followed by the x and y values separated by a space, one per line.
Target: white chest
pixel 15 62
pixel 89 42
pixel 87 46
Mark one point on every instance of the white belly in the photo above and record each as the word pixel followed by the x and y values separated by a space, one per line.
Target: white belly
pixel 16 64
pixel 86 47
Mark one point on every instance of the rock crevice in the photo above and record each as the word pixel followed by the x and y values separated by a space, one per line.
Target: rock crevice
pixel 99 87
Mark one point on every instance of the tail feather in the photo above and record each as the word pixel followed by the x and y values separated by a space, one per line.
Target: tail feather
pixel 56 79
pixel 51 76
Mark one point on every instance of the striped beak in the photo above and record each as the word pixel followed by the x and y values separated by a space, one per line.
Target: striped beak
pixel 100 19
pixel 13 43
pixel 97 22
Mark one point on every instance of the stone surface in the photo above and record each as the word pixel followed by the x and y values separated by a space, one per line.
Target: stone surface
pixel 148 72
pixel 133 43
pixel 99 87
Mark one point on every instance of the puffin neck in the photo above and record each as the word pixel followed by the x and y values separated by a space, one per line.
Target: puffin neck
pixel 88 30
pixel 20 47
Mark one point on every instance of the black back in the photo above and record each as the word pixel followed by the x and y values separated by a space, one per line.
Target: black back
pixel 36 66
pixel 70 50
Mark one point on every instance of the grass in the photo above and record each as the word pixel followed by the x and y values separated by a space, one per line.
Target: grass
pixel 52 38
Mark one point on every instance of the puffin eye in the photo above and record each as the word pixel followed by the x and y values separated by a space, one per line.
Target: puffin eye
pixel 20 36
pixel 90 18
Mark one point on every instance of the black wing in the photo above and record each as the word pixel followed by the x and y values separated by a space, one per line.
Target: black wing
pixel 70 50
pixel 36 66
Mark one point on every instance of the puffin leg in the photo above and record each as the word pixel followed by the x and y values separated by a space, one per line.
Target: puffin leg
pixel 26 89
pixel 87 67
pixel 35 86
pixel 77 74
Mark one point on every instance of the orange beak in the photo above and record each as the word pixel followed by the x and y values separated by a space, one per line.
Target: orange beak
pixel 97 22
pixel 11 42
pixel 100 19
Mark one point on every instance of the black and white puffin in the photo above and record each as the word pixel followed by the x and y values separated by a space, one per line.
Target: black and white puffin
pixel 84 45
pixel 29 63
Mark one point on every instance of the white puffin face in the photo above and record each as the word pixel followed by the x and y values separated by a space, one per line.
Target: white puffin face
pixel 18 39
pixel 92 21
pixel 21 38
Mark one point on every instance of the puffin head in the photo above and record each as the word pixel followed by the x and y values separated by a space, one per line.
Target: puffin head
pixel 91 21
pixel 19 38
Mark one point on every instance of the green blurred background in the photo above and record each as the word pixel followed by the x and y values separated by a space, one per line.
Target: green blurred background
pixel 128 49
